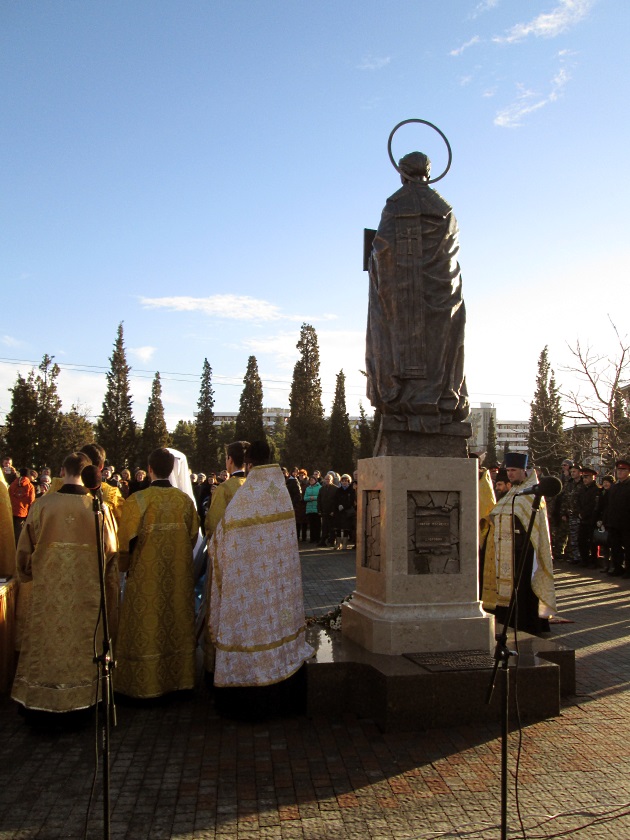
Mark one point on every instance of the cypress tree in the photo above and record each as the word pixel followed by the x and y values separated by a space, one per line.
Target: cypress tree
pixel 48 441
pixel 249 422
pixel 615 437
pixel 21 424
pixel 205 431
pixel 306 429
pixel 546 437
pixel 154 433
pixel 366 435
pixel 33 432
pixel 340 446
pixel 116 428
pixel 492 458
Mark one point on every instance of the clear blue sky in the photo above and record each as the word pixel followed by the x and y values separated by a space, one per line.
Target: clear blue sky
pixel 203 171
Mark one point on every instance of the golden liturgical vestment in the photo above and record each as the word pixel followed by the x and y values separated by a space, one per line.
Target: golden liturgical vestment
pixel 510 512
pixel 155 651
pixel 7 535
pixel 57 552
pixel 256 616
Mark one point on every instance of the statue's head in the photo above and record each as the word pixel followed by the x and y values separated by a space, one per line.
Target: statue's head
pixel 415 166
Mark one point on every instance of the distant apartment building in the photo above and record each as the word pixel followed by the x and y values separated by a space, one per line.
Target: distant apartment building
pixel 269 416
pixel 512 435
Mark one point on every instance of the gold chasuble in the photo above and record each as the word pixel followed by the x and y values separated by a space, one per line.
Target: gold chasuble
pixel 256 614
pixel 487 501
pixel 155 650
pixel 499 560
pixel 7 535
pixel 57 560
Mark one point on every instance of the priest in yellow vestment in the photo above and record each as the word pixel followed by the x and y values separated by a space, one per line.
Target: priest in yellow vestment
pixel 7 538
pixel 57 555
pixel 221 498
pixel 111 495
pixel 155 650
pixel 256 617
pixel 509 520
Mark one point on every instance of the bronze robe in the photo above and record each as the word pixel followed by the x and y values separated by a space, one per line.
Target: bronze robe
pixel 416 316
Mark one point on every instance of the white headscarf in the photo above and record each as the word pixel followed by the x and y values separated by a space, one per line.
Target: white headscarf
pixel 180 477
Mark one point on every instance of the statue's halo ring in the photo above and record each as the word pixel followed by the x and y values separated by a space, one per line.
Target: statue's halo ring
pixel 442 135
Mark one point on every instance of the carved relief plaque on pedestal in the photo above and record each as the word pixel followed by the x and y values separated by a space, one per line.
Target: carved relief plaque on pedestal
pixel 433 532
pixel 372 529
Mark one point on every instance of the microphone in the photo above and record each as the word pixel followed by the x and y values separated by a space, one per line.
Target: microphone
pixel 92 479
pixel 548 486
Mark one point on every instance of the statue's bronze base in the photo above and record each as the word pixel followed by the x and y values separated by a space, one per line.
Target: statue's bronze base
pixel 445 441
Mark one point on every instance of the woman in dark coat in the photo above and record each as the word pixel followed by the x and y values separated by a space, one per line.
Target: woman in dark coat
pixel 344 512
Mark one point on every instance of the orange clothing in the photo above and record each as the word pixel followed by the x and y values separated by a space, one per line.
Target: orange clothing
pixel 22 495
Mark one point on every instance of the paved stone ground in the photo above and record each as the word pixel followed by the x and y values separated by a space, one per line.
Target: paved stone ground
pixel 180 771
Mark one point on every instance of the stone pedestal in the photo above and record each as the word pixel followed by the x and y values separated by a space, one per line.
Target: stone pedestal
pixel 417 558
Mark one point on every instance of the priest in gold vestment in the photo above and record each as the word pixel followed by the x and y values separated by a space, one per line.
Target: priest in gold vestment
pixel 256 617
pixel 7 540
pixel 111 495
pixel 221 498
pixel 57 556
pixel 509 520
pixel 155 650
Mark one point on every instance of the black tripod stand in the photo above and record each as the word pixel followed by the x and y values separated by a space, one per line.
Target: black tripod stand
pixel 105 665
pixel 548 486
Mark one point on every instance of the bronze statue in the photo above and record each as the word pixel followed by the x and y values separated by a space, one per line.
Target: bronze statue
pixel 416 321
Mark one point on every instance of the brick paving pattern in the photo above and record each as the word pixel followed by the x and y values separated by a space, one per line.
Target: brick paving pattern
pixel 180 771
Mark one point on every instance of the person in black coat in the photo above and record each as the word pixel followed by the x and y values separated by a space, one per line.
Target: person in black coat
pixel 617 519
pixel 326 508
pixel 344 512
pixel 295 492
pixel 587 507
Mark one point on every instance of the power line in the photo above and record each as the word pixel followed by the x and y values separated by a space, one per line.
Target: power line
pixel 169 376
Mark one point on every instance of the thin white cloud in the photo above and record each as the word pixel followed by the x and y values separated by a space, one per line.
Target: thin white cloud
pixel 528 101
pixel 143 354
pixel 230 307
pixel 489 93
pixel 484 6
pixel 459 50
pixel 549 24
pixel 371 62
pixel 465 80
pixel 10 341
pixel 282 346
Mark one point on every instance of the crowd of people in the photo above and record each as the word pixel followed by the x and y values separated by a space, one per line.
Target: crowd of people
pixel 151 549
pixel 234 539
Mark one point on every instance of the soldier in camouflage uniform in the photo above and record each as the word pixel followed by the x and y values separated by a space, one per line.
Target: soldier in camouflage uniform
pixel 569 511
pixel 558 527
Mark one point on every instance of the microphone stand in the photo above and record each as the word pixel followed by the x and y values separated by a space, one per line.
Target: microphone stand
pixel 105 665
pixel 502 657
